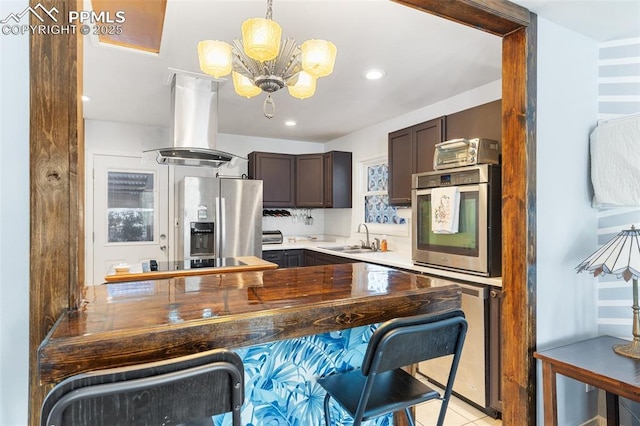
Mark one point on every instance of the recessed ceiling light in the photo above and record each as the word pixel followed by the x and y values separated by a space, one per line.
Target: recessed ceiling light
pixel 374 74
pixel 290 123
pixel 85 98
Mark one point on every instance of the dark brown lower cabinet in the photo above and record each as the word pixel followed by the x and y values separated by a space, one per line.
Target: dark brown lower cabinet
pixel 299 257
pixel 293 258
pixel 314 258
pixel 495 350
pixel 274 256
pixel 285 258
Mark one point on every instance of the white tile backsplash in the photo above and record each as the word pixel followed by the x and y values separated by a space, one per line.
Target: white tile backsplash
pixel 289 227
pixel 330 225
pixel 338 222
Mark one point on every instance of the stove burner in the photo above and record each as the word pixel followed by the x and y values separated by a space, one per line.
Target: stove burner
pixel 214 262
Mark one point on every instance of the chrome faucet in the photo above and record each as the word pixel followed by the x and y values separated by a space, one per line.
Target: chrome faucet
pixel 367 244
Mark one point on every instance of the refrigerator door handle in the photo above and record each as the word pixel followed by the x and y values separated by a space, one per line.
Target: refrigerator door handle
pixel 219 229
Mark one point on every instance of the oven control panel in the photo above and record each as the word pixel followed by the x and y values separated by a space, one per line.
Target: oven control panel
pixel 453 177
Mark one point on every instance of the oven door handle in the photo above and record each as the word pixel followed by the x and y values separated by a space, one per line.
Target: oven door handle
pixel 463 188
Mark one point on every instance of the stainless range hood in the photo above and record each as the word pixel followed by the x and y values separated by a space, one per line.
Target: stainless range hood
pixel 194 124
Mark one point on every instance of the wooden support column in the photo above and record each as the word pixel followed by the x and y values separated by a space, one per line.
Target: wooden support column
pixel 57 176
pixel 518 227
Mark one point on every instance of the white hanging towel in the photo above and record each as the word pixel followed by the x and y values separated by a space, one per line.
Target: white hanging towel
pixel 445 210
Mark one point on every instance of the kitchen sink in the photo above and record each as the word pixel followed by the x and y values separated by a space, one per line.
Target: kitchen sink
pixel 350 249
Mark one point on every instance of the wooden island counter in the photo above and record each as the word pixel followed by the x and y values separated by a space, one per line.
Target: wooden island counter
pixel 129 323
pixel 183 269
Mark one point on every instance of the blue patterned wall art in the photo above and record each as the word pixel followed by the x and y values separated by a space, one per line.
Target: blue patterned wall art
pixel 376 206
pixel 377 177
pixel 280 379
pixel 378 210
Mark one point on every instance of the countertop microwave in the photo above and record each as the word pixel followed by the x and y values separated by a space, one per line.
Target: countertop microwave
pixel 465 152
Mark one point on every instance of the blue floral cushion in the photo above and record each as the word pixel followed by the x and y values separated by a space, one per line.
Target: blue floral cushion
pixel 280 379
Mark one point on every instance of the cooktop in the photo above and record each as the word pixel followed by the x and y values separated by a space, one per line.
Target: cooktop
pixel 215 262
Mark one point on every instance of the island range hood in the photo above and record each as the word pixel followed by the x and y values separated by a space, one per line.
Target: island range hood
pixel 194 124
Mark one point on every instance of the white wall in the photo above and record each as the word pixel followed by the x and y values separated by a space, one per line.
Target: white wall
pixel 566 223
pixel 14 223
pixel 619 94
pixel 618 98
pixel 373 142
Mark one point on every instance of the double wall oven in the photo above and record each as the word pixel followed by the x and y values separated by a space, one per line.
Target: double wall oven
pixel 476 248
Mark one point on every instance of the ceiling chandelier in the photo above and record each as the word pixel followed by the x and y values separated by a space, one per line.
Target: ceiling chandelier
pixel 261 62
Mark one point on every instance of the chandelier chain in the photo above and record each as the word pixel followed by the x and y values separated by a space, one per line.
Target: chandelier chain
pixel 269 9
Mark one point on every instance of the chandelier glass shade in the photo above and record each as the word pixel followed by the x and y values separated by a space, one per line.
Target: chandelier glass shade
pixel 305 87
pixel 261 38
pixel 244 86
pixel 214 57
pixel 262 61
pixel 318 57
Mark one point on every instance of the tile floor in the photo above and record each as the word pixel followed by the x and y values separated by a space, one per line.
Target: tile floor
pixel 459 413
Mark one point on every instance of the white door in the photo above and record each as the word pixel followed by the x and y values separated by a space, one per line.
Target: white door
pixel 130 212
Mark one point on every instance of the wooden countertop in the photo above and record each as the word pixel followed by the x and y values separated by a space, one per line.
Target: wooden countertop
pixel 250 263
pixel 122 324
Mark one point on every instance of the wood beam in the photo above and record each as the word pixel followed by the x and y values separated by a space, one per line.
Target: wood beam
pixel 57 176
pixel 497 17
pixel 518 227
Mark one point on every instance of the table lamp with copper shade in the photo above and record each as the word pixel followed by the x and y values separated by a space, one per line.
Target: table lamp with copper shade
pixel 620 257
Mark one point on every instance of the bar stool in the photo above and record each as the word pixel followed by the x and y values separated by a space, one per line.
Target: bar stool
pixel 186 390
pixel 381 386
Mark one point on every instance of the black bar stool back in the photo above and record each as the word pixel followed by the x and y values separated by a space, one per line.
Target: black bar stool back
pixel 182 391
pixel 381 386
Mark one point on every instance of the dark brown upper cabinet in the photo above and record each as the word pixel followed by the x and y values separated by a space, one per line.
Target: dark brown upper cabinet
pixel 482 121
pixel 277 171
pixel 306 180
pixel 310 180
pixel 411 151
pixel 337 179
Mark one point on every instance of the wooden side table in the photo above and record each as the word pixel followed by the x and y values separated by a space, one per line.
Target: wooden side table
pixel 593 362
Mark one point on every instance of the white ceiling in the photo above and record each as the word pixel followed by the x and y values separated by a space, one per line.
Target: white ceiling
pixel 601 20
pixel 426 59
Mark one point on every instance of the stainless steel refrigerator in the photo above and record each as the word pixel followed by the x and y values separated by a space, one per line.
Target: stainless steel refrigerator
pixel 219 218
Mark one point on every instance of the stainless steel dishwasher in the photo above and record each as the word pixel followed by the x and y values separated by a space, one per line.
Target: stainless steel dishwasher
pixel 472 378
